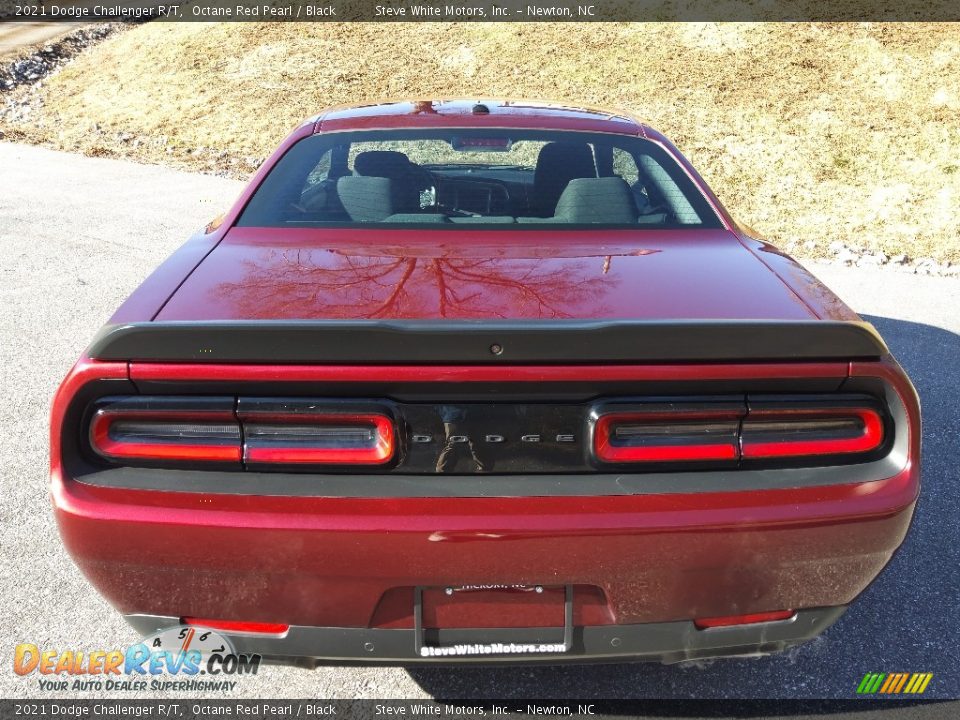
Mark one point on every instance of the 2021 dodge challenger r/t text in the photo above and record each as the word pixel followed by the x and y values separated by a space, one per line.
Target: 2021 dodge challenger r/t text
pixel 477 382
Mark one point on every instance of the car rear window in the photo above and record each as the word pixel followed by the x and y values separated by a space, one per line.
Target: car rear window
pixel 483 178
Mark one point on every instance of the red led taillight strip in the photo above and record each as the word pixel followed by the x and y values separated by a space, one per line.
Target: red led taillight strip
pixel 170 435
pixel 319 439
pixel 784 432
pixel 671 433
pixel 258 432
pixel 752 432
pixel 785 428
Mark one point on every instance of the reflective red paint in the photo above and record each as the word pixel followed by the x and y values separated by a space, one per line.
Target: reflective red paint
pixel 274 274
pixel 216 372
pixel 459 113
pixel 741 551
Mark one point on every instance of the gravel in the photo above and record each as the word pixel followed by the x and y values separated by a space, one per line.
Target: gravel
pixel 847 256
pixel 30 69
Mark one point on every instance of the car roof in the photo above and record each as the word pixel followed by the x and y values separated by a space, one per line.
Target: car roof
pixel 464 112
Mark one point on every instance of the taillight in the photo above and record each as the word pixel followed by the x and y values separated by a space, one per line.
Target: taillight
pixel 667 432
pixel 296 432
pixel 177 430
pixel 752 432
pixel 167 429
pixel 763 432
pixel 795 430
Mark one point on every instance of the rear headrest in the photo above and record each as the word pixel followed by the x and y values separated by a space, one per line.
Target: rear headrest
pixel 382 163
pixel 597 200
pixel 366 199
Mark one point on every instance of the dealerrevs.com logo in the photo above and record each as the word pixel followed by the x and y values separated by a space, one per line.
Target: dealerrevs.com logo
pixel 179 658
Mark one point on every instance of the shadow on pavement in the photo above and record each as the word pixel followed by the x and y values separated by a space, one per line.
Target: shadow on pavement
pixel 903 622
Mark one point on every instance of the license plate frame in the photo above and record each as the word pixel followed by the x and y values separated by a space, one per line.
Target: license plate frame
pixel 495 649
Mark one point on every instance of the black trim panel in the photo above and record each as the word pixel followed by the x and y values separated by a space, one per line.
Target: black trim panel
pixel 668 642
pixel 389 485
pixel 470 341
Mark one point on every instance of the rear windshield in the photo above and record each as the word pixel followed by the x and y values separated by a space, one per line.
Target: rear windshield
pixel 487 178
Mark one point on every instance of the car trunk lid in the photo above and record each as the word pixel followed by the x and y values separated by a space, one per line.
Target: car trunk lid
pixel 299 274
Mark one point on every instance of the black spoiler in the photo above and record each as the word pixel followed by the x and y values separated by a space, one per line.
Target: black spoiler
pixel 388 342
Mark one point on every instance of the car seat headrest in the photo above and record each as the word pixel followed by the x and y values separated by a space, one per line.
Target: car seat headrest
pixel 557 164
pixel 605 200
pixel 366 199
pixel 382 163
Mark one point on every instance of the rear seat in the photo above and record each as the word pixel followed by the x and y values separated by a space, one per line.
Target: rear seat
pixel 366 199
pixel 431 218
pixel 484 220
pixel 408 178
pixel 605 200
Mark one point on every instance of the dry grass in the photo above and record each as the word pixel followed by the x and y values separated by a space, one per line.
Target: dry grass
pixel 809 133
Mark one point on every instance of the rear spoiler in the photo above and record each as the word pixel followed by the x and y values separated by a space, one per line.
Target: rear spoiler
pixel 390 342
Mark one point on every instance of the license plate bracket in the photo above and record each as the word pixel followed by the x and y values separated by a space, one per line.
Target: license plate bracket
pixel 494 641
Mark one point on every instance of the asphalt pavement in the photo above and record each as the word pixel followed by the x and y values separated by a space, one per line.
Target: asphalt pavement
pixel 78 234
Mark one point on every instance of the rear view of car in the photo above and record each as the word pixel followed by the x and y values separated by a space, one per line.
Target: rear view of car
pixel 499 382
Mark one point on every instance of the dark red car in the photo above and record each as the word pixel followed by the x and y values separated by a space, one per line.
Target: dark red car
pixel 460 381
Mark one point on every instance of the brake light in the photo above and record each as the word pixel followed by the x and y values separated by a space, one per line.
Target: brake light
pixel 668 433
pixel 163 429
pixel 293 431
pixel 751 619
pixel 762 431
pixel 253 431
pixel 781 428
pixel 785 432
pixel 336 439
pixel 233 626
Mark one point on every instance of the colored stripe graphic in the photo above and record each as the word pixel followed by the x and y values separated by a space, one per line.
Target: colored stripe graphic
pixel 894 683
pixel 890 682
pixel 918 683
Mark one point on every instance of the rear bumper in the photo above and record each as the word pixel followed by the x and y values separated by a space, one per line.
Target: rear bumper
pixel 342 571
pixel 669 642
